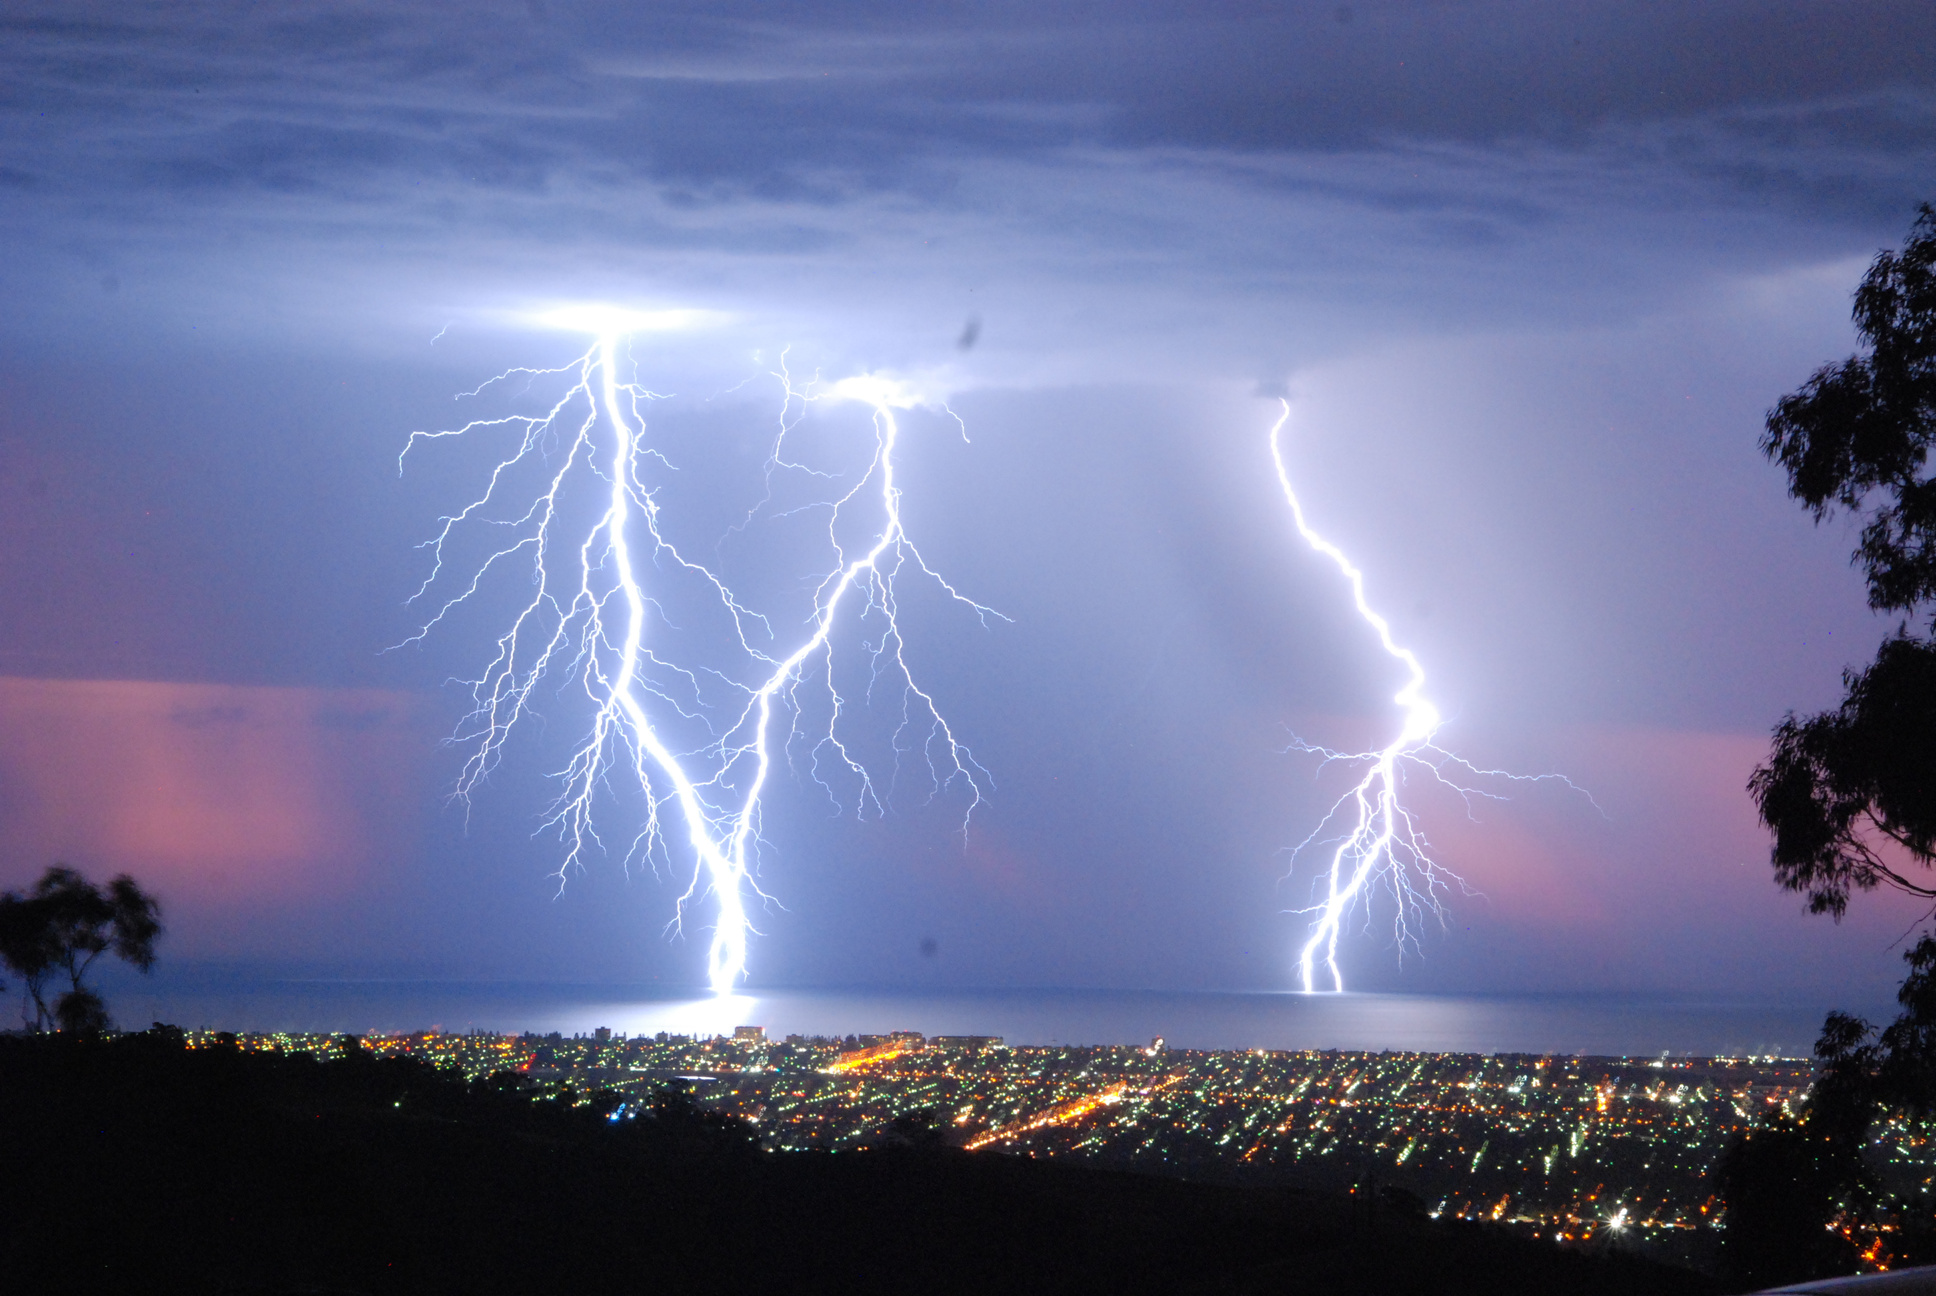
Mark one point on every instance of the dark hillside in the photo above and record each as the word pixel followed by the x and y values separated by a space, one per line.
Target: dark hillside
pixel 134 1164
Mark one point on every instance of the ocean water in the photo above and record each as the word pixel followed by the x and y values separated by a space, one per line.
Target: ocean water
pixel 1599 1024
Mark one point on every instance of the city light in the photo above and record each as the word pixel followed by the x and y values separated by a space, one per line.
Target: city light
pixel 1556 1146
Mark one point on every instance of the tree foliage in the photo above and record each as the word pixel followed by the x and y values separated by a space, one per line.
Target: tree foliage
pixel 1864 1071
pixel 1849 795
pixel 59 928
pixel 1782 1183
pixel 1857 434
pixel 1847 791
pixel 1841 787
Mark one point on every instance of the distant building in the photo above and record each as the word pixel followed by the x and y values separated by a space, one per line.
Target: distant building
pixel 1158 1044
pixel 603 1034
pixel 749 1034
pixel 968 1041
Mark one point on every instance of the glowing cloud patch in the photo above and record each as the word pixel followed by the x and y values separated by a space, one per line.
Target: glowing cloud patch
pixel 216 793
pixel 600 320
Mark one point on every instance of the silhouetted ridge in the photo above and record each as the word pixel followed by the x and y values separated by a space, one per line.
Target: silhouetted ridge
pixel 140 1165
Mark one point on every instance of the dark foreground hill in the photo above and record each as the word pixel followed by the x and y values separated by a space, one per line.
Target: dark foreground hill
pixel 134 1164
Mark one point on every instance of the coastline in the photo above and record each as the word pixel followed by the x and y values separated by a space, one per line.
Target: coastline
pixel 1601 1024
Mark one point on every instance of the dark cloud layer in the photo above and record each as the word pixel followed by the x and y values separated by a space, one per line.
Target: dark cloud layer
pixel 1071 173
pixel 822 102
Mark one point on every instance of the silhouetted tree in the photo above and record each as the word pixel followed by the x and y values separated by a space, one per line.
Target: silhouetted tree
pixel 61 927
pixel 684 1122
pixel 1850 794
pixel 27 949
pixel 1783 1184
pixel 915 1131
pixel 1866 1075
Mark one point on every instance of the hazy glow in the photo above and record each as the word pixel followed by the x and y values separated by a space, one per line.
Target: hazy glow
pixel 596 596
pixel 605 321
pixel 878 390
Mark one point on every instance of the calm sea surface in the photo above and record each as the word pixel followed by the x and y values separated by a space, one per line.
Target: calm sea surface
pixel 1594 1024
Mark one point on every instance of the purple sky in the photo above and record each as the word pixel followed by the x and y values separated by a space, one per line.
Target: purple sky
pixel 1530 274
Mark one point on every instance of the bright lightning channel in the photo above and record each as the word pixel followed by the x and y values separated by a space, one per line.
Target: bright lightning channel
pixel 590 615
pixel 1380 844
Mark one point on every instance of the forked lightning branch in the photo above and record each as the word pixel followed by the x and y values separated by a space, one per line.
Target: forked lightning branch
pixel 677 750
pixel 1372 843
pixel 575 510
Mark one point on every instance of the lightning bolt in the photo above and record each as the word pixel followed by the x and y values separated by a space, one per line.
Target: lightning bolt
pixel 1376 842
pixel 597 597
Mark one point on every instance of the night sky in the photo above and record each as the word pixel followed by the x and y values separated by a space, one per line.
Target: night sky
pixel 1530 274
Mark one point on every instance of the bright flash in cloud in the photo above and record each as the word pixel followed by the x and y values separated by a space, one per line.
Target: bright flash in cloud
pixel 600 320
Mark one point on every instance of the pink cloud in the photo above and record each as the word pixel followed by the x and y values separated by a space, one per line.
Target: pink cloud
pixel 1673 884
pixel 221 797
